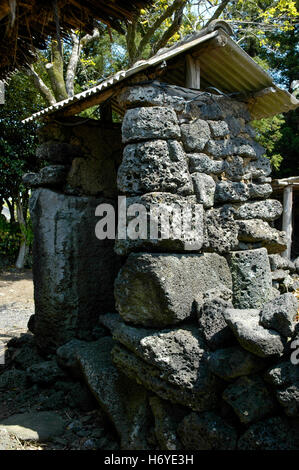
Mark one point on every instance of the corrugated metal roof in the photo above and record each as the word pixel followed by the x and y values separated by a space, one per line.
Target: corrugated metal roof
pixel 224 65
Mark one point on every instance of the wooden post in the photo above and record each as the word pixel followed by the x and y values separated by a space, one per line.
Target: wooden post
pixel 192 72
pixel 287 218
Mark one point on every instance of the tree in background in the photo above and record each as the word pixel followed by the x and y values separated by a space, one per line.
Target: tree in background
pixel 17 155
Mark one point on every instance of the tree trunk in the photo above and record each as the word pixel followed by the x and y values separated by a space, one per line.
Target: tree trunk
pixel 23 247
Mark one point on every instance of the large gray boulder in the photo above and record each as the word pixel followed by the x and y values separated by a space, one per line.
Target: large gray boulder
pixel 159 290
pixel 67 301
pixel 249 398
pixel 172 363
pixel 280 314
pixel 163 211
pixel 207 431
pixel 252 280
pixel 157 165
pixel 150 123
pixel 251 335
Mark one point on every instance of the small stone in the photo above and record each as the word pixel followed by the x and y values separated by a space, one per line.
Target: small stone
pixel 227 191
pixel 213 325
pixel 32 180
pixel 204 188
pixel 233 362
pixel 195 135
pixel 249 398
pixel 44 373
pixel 200 162
pixel 251 335
pixel 218 128
pixel 150 123
pixel 277 262
pixel 207 431
pixel 53 175
pixel 259 231
pixel 234 168
pixel 12 379
pixel 280 314
pixel 220 229
pixel 259 167
pixel 257 191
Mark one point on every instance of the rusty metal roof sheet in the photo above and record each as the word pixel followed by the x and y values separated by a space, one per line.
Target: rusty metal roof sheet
pixel 224 65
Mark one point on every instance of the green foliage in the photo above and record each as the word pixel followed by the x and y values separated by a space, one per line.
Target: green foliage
pixel 269 134
pixel 10 239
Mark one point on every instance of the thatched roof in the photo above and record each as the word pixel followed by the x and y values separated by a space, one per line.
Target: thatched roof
pixel 25 25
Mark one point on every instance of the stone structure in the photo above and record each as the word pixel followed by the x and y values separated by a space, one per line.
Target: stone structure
pixel 201 342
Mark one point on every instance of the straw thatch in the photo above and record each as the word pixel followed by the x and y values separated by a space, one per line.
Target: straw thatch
pixel 25 25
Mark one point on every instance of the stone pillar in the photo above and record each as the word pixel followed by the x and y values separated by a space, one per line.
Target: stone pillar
pixel 73 271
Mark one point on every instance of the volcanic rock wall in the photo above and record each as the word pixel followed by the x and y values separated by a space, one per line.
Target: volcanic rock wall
pixel 202 328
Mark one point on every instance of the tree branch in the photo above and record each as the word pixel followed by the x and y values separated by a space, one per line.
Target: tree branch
pixel 40 85
pixel 177 4
pixel 218 12
pixel 55 73
pixel 177 22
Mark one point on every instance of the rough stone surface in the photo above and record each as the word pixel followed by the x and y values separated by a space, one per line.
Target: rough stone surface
pixel 234 168
pixel 227 191
pixel 125 402
pixel 255 230
pixel 213 325
pixel 167 418
pixel 259 191
pixel 150 123
pixel 160 290
pixel 195 135
pixel 219 128
pixel 280 314
pixel 252 280
pixel 203 164
pixel 277 262
pixel 220 230
pixel 233 362
pixel 12 379
pixel 272 434
pixel 161 207
pixel 154 166
pixel 251 335
pixel 45 372
pixel 259 167
pixel 204 188
pixel 236 146
pixel 74 282
pixel 207 431
pixel 34 426
pixel 268 210
pixel 249 398
pixel 58 152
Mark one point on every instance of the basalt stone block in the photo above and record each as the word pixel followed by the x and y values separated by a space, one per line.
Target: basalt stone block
pixel 171 363
pixel 150 123
pixel 204 188
pixel 280 314
pixel 219 128
pixel 53 175
pixel 227 191
pixel 255 231
pixel 234 168
pixel 153 95
pixel 32 180
pixel 259 191
pixel 283 374
pixel 73 271
pixel 252 280
pixel 160 290
pixel 154 166
pixel 267 210
pixel 235 146
pixel 207 431
pixel 58 152
pixel 270 434
pixel 203 164
pixel 249 398
pixel 195 135
pixel 277 262
pixel 251 335
pixel 230 363
pixel 220 229
pixel 173 224
pixel 124 401
pixel 260 167
pixel 213 325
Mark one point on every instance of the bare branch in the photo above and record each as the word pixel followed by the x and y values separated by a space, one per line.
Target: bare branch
pixel 218 12
pixel 40 85
pixel 176 24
